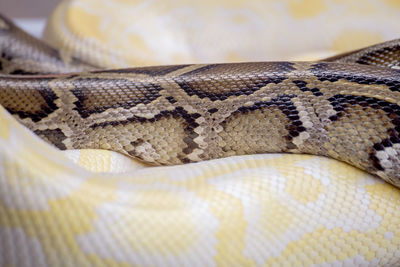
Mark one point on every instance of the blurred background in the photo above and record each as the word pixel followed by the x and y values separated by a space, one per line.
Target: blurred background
pixel 124 33
pixel 28 8
pixel 29 14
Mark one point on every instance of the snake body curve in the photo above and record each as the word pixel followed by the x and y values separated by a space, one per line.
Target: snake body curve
pixel 179 114
pixel 169 115
pixel 205 109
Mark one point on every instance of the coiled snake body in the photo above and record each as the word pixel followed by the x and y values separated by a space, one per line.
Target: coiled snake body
pixel 178 114
pixel 168 115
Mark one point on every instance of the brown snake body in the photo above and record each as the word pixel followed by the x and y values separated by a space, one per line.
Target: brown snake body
pixel 169 115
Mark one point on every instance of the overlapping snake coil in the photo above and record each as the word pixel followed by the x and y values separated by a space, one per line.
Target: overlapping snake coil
pixel 346 108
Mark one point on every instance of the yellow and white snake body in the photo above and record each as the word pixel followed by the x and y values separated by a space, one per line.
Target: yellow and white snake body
pixel 58 214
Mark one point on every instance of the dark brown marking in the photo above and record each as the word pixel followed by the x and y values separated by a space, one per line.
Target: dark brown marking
pixel 342 105
pixel 201 70
pixel 283 103
pixel 171 99
pixel 212 110
pixel 237 79
pixel 178 112
pixel 96 95
pixel 22 72
pixel 386 56
pixel 303 87
pixel 136 143
pixel 151 71
pixel 329 72
pixel 28 99
pixel 55 137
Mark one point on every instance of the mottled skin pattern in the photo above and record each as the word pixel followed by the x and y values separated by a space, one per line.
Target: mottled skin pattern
pixel 178 114
pixel 170 115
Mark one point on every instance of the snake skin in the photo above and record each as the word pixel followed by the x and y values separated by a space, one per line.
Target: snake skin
pixel 171 115
pixel 188 113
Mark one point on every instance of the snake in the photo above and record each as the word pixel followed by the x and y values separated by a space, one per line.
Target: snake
pixel 346 107
pixel 168 115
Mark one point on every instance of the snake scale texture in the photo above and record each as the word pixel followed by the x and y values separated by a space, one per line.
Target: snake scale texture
pixel 345 107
